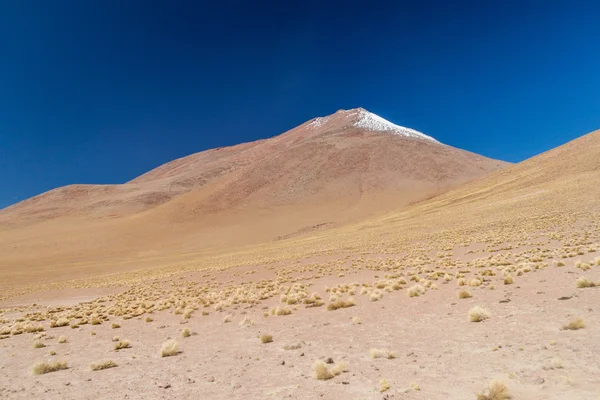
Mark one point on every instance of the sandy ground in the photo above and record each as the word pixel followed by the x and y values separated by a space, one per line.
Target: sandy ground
pixel 436 347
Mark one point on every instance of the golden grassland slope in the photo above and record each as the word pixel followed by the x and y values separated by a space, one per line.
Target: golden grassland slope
pixel 311 178
pixel 494 281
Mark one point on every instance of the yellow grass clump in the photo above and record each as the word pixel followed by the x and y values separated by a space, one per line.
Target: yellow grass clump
pixel 415 290
pixel 478 314
pixel 379 353
pixel 339 303
pixel 583 282
pixel 42 367
pixel 474 282
pixel 495 391
pixel 577 323
pixel 122 344
pixel 463 294
pixel 384 385
pixel 98 366
pixel 186 332
pixel 169 348
pixel 59 323
pixel 266 338
pixel 323 373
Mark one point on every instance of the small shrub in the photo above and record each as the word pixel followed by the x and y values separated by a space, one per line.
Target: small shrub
pixel 38 345
pixel 415 290
pixel 186 332
pixel 463 294
pixel 122 344
pixel 578 323
pixel 495 391
pixel 41 367
pixel 323 373
pixel 102 365
pixel 379 353
pixel 474 282
pixel 384 385
pixel 478 314
pixel 583 282
pixel 169 348
pixel 337 304
pixel 59 323
pixel 266 338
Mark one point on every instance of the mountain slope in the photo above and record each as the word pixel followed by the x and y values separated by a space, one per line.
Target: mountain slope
pixel 327 172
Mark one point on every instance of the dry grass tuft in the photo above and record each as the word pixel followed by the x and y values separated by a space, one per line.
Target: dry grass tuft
pixel 266 338
pixel 122 344
pixel 246 322
pixel 169 348
pixel 508 280
pixel 356 321
pixel 583 282
pixel 474 282
pixel 463 294
pixel 323 373
pixel 38 345
pixel 102 365
pixel 384 385
pixel 186 332
pixel 42 367
pixel 62 339
pixel 495 391
pixel 337 304
pixel 59 323
pixel 379 353
pixel 415 290
pixel 578 323
pixel 478 314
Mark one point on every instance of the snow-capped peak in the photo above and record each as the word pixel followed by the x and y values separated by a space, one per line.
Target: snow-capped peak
pixel 373 122
pixel 361 118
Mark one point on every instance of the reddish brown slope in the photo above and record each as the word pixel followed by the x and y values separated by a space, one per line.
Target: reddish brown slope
pixel 326 172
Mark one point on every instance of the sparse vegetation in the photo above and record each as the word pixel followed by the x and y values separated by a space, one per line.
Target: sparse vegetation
pixel 42 367
pixel 169 348
pixel 266 338
pixel 98 366
pixel 384 385
pixel 583 282
pixel 478 314
pixel 415 291
pixel 379 353
pixel 337 304
pixel 576 324
pixel 495 391
pixel 323 373
pixel 122 344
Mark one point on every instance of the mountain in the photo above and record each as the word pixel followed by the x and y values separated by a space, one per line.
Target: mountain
pixel 324 173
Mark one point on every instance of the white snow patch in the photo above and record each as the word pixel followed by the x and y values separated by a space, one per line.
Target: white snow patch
pixel 317 122
pixel 373 122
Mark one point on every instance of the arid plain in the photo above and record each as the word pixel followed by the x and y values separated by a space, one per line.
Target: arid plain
pixel 485 290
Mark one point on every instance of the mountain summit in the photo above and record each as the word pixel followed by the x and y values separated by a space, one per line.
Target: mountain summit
pixel 361 118
pixel 324 173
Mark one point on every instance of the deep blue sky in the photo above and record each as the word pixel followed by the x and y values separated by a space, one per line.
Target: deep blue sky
pixel 102 93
